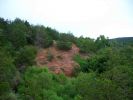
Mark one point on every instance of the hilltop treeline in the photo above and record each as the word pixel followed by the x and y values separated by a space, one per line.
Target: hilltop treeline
pixel 105 74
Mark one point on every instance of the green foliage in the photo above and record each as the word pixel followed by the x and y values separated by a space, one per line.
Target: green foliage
pixel 17 33
pixel 106 74
pixel 86 45
pixel 2 38
pixel 38 85
pixel 7 68
pixel 123 41
pixel 102 42
pixel 3 23
pixel 7 73
pixel 98 63
pixel 47 41
pixel 10 96
pixel 4 87
pixel 83 64
pixel 67 37
pixel 54 34
pixel 49 56
pixel 61 78
pixel 42 39
pixel 89 86
pixel 3 31
pixel 122 77
pixel 125 55
pixel 64 45
pixel 103 60
pixel 25 57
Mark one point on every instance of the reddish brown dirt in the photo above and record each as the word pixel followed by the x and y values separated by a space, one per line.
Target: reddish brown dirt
pixel 62 60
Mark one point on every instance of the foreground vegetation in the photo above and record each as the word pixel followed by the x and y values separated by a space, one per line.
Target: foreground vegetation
pixel 106 74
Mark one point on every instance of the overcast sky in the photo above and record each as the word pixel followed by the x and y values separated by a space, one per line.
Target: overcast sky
pixel 91 18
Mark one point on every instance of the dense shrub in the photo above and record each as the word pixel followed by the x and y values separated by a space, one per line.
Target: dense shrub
pixel 42 39
pixel 7 67
pixel 102 42
pixel 90 86
pixel 25 57
pixel 64 45
pixel 7 73
pixel 86 45
pixel 122 77
pixel 50 56
pixel 54 34
pixel 67 37
pixel 82 63
pixel 17 33
pixel 40 84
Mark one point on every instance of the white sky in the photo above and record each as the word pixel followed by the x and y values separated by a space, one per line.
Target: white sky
pixel 91 18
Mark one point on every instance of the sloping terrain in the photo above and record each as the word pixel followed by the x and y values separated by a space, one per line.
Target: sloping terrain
pixel 123 39
pixel 61 61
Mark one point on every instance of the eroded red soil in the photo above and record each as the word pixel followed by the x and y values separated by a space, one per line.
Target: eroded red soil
pixel 62 60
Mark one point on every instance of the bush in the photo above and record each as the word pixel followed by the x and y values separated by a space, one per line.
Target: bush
pixel 82 63
pixel 7 68
pixel 90 86
pixel 43 40
pixel 122 77
pixel 50 56
pixel 26 56
pixel 54 34
pixel 64 45
pixel 17 33
pixel 4 87
pixel 86 45
pixel 67 37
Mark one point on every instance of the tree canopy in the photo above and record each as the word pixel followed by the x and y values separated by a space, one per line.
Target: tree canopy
pixel 104 68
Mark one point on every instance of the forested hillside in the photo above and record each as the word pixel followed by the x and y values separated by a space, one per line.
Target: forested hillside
pixel 123 40
pixel 103 69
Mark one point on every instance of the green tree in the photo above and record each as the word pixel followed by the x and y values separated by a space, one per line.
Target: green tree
pixel 17 33
pixel 64 45
pixel 67 37
pixel 125 55
pixel 7 73
pixel 38 84
pixel 122 77
pixel 42 39
pixel 86 45
pixel 25 57
pixel 7 68
pixel 102 42
pixel 54 34
pixel 82 63
pixel 94 88
pixel 4 24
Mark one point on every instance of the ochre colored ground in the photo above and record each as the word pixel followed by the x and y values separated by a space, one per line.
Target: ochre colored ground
pixel 62 60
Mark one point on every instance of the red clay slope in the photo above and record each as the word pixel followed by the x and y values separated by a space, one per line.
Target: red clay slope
pixel 62 60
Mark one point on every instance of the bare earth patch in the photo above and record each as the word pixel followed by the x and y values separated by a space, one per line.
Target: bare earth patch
pixel 62 61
